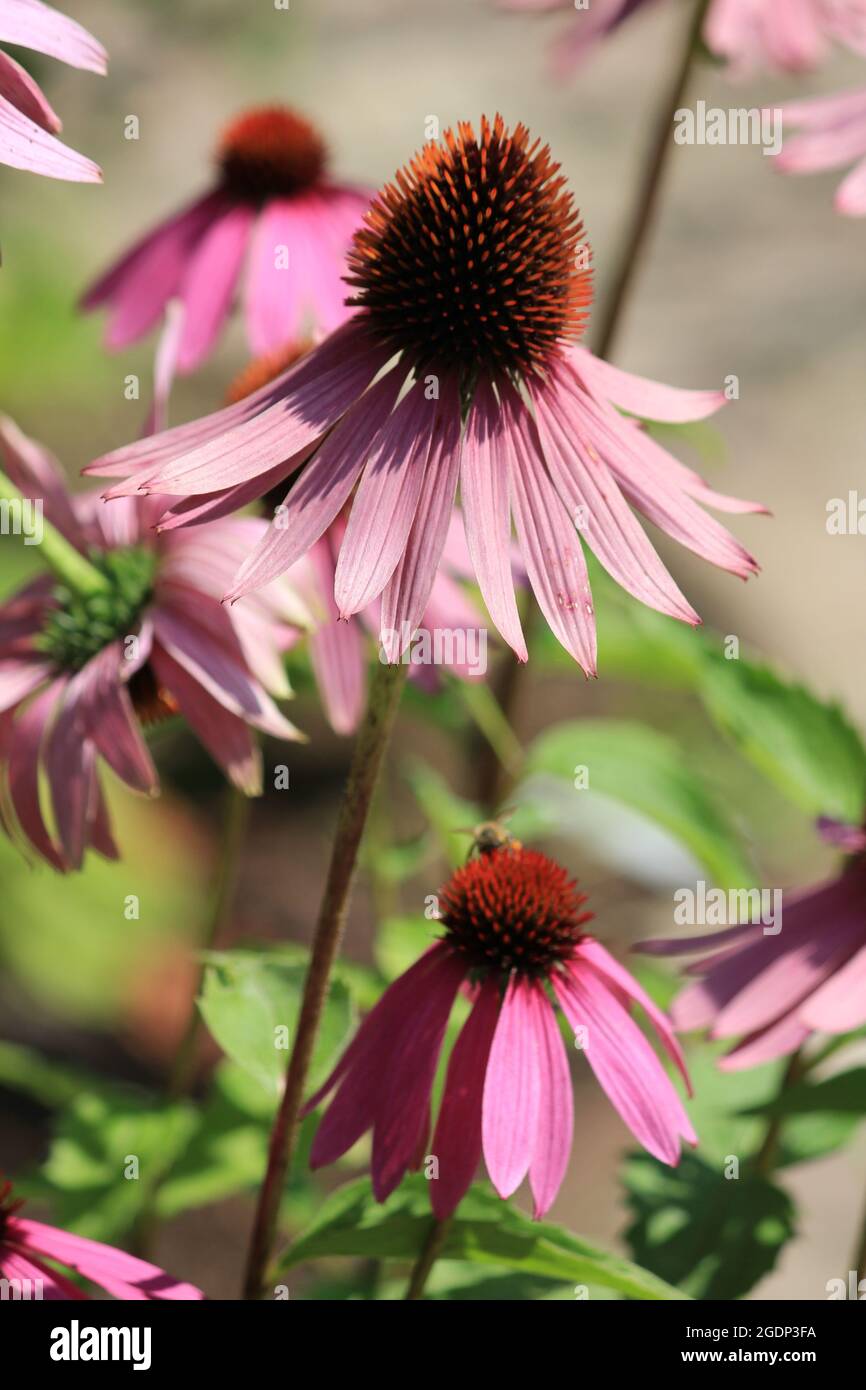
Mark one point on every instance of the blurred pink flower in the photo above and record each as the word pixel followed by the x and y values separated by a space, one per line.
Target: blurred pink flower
pixel 272 204
pixel 513 922
pixel 25 1246
pixel 780 35
pixel 778 989
pixel 28 124
pixel 80 675
pixel 483 311
pixel 833 133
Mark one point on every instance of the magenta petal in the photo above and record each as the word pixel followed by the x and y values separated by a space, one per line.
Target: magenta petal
pixel 484 471
pixel 108 718
pixel 123 1275
pixel 404 1102
pixel 20 89
pixel 209 283
pixel 555 1108
pixel 511 1091
pixel 224 734
pixel 625 1065
pixel 24 754
pixel 778 1039
pixel 457 1140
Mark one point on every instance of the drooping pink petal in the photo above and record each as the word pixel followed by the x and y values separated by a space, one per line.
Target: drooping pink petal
pixel 549 542
pixel 840 1003
pixel 407 593
pixel 509 1121
pixel 555 1108
pixel 850 198
pixel 484 474
pixel 120 1274
pixel 777 1039
pixel 53 1286
pixel 322 489
pixel 138 287
pixel 45 30
pixel 69 760
pixel 224 735
pixel 20 89
pixel 457 1139
pixel 650 400
pixel 209 283
pixel 24 754
pixel 386 502
pixel 619 978
pixel 108 717
pixel 403 1105
pixel 19 678
pixel 625 1065
pixel 25 145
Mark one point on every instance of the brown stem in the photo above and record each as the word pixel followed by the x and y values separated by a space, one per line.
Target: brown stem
pixel 370 745
pixel 650 188
pixel 859 1261
pixel 430 1252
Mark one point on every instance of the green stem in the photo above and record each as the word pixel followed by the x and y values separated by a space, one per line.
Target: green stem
pixel 67 563
pixel 430 1252
pixel 369 751
pixel 648 194
pixel 488 716
pixel 765 1158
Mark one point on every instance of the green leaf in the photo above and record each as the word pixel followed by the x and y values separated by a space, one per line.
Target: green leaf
pixel 843 1094
pixel 51 1083
pixel 250 1002
pixel 89 1178
pixel 707 440
pixel 806 746
pixel 647 771
pixel 484 1231
pixel 714 1236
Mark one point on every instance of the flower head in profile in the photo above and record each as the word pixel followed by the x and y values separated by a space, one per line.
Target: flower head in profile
pixel 471 285
pixel 28 124
pixel 831 134
pixel 82 673
pixel 273 218
pixel 514 940
pixel 772 991
pixel 30 1253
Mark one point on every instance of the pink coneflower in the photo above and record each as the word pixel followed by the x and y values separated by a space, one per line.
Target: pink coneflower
pixel 833 133
pixel 272 205
pixel 471 286
pixel 773 991
pixel 513 924
pixel 28 124
pixel 26 1245
pixel 80 673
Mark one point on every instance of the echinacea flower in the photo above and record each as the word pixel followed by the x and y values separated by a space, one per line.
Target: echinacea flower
pixel 513 934
pixel 29 1252
pixel 773 990
pixel 832 134
pixel 272 206
pixel 28 124
pixel 81 673
pixel 779 35
pixel 471 287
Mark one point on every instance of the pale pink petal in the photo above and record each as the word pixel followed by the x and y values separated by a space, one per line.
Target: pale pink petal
pixel 778 1039
pixel 38 26
pixel 386 502
pixel 650 400
pixel 509 1122
pixel 840 1003
pixel 19 88
pixel 23 761
pixel 19 678
pixel 851 194
pixel 555 1108
pixel 484 473
pixel 549 542
pixel 25 145
pixel 224 735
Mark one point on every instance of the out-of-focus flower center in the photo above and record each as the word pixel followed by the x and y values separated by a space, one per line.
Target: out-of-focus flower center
pixel 270 152
pixel 79 626
pixel 512 909
pixel 261 371
pixel 474 258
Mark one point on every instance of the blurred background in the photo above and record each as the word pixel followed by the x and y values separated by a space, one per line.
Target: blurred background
pixel 746 272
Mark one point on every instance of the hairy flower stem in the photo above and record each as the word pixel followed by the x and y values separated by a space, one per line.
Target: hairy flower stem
pixel 236 810
pixel 370 745
pixel 68 564
pixel 648 195
pixel 494 785
pixel 430 1252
